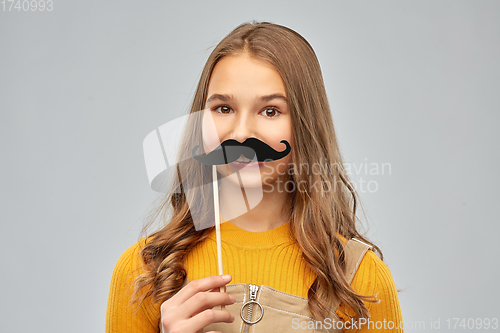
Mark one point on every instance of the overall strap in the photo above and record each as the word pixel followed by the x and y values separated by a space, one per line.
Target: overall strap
pixel 354 252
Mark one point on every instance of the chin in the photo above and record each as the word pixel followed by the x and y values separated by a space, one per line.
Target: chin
pixel 246 180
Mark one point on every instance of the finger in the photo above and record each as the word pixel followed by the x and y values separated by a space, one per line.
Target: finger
pixel 208 317
pixel 196 286
pixel 201 302
pixel 218 289
pixel 186 312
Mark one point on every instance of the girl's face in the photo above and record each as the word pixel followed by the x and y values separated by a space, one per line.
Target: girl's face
pixel 246 98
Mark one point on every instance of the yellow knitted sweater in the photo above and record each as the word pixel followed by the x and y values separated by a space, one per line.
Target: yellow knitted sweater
pixel 269 258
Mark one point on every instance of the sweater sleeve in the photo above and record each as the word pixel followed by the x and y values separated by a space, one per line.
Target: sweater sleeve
pixel 120 316
pixel 374 278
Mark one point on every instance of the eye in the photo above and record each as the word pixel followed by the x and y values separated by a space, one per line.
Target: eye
pixel 271 112
pixel 224 109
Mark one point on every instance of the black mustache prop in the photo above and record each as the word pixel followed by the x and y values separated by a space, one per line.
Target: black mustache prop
pixel 230 150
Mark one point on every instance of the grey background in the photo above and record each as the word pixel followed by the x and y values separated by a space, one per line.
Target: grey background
pixel 411 83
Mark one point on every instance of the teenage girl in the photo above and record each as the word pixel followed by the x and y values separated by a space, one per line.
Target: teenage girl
pixel 299 247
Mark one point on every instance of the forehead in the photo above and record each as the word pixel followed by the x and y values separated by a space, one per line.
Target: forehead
pixel 242 75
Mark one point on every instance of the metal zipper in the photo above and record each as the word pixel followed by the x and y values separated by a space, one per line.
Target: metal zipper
pixel 253 300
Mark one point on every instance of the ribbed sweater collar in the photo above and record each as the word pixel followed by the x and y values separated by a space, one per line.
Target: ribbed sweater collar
pixel 234 235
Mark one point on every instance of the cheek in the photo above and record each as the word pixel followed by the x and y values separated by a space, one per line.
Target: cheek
pixel 276 134
pixel 278 168
pixel 210 132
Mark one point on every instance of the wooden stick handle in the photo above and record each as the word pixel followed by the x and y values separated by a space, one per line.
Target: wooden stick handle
pixel 217 224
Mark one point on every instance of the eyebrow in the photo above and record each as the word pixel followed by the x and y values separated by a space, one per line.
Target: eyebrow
pixel 227 98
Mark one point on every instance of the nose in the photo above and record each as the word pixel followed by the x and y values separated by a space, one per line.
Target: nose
pixel 243 127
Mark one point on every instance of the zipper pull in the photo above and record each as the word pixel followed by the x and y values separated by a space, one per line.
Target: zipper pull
pixel 253 297
pixel 253 292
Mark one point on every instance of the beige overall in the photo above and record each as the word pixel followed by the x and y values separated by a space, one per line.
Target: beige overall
pixel 265 309
pixel 273 311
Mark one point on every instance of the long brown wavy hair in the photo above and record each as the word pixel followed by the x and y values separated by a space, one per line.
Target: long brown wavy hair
pixel 318 215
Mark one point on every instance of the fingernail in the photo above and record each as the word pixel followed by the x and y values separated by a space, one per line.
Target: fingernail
pixel 226 277
pixel 232 317
pixel 231 297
